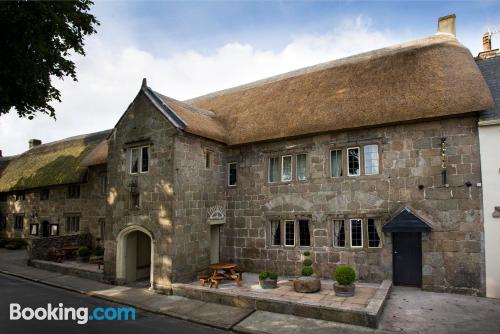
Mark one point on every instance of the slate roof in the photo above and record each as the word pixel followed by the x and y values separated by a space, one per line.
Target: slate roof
pixel 490 68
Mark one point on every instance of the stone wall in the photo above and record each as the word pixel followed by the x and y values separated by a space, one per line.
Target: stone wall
pixel 410 175
pixel 197 189
pixel 91 207
pixel 38 248
pixel 141 125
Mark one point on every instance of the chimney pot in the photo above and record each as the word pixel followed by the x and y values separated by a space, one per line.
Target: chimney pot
pixel 34 142
pixel 486 42
pixel 446 25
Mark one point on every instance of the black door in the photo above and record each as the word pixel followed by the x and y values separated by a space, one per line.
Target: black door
pixel 407 258
pixel 45 229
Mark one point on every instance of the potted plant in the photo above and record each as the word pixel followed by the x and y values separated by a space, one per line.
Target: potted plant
pixel 308 282
pixel 268 280
pixel 83 254
pixel 344 281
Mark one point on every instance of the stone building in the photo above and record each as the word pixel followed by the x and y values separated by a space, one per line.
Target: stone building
pixel 371 160
pixel 489 135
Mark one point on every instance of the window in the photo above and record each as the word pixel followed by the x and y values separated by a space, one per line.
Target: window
pixel 74 191
pixel 209 159
pixel 144 159
pixel 371 159
pixel 275 232
pixel 289 233
pixel 135 200
pixel 54 230
pixel 353 161
pixel 18 222
pixel 373 233
pixel 3 222
pixel 356 233
pixel 104 184
pixel 304 233
pixel 338 233
pixel 3 197
pixel 231 175
pixel 20 196
pixel 336 163
pixel 72 224
pixel 273 169
pixel 301 167
pixel 44 194
pixel 33 229
pixel 139 159
pixel 134 160
pixel 286 168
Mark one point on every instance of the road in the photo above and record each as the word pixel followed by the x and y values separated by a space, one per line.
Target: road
pixel 34 295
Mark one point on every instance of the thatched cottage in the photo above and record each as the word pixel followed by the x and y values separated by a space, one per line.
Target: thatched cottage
pixel 372 160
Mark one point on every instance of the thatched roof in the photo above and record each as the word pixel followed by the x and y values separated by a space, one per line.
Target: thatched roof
pixel 50 164
pixel 427 78
pixel 98 156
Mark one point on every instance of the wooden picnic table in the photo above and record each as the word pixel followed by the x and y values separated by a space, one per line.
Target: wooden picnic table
pixel 229 273
pixel 69 251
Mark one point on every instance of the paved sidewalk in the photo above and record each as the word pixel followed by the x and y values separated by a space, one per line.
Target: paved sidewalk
pixel 220 316
pixel 408 310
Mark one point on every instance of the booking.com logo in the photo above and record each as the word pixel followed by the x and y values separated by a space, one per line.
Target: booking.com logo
pixel 81 315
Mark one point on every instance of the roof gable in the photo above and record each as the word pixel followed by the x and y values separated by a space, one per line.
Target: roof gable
pixel 406 221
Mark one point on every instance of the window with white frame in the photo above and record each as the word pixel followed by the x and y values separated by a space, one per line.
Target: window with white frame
pixel 371 159
pixel 356 233
pixel 231 174
pixel 289 232
pixel 139 160
pixel 304 233
pixel 374 232
pixel 301 167
pixel 353 161
pixel 54 230
pixel 286 168
pixel 273 169
pixel 33 229
pixel 336 163
pixel 275 232
pixel 338 233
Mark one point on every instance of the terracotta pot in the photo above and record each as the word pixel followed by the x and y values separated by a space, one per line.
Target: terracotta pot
pixel 268 283
pixel 344 290
pixel 307 284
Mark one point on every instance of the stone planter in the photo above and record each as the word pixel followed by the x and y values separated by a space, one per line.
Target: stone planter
pixel 268 283
pixel 307 284
pixel 344 290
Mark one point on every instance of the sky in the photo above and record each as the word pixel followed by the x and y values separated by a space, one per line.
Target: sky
pixel 189 48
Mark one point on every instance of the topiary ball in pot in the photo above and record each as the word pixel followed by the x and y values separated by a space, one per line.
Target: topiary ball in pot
pixel 307 282
pixel 268 280
pixel 83 254
pixel 344 281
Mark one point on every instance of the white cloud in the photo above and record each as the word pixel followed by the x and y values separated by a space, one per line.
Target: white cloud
pixel 111 73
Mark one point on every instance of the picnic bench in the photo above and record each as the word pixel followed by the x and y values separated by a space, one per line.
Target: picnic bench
pixel 215 276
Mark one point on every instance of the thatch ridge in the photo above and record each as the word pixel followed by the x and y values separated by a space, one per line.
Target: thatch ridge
pixel 423 79
pixel 50 164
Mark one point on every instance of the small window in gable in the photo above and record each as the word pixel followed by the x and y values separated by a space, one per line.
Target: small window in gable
pixel 144 159
pixel 231 174
pixel 209 159
pixel 134 160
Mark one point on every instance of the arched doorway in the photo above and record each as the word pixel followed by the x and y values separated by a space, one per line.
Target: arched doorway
pixel 135 251
pixel 45 229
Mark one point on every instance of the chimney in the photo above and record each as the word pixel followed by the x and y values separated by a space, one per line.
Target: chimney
pixel 34 142
pixel 446 25
pixel 486 42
